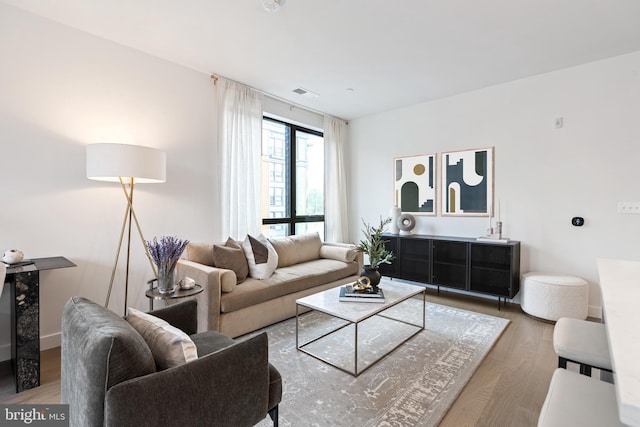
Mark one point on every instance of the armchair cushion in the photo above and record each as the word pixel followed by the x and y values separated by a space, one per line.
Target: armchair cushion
pixel 169 345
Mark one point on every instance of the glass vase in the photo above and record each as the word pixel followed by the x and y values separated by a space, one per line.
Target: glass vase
pixel 167 281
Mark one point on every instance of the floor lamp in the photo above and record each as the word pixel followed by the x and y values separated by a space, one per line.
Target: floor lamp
pixel 128 165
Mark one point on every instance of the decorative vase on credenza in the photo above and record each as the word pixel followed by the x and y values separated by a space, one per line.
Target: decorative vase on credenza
pixel 394 213
pixel 406 223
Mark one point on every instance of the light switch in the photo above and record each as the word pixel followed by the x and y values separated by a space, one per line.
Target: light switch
pixel 629 207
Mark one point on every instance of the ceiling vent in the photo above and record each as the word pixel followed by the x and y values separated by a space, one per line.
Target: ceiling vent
pixel 306 93
pixel 271 5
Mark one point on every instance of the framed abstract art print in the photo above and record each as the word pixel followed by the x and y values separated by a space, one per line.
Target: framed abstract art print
pixel 415 184
pixel 467 182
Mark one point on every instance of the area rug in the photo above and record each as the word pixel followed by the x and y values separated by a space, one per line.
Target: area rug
pixel 414 385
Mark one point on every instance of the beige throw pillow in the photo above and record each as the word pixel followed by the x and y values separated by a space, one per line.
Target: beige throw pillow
pixel 169 345
pixel 261 257
pixel 231 256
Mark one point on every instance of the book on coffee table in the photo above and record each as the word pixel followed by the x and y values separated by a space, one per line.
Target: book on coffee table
pixel 348 294
pixel 350 291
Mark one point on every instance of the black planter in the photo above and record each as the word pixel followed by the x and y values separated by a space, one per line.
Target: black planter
pixel 373 275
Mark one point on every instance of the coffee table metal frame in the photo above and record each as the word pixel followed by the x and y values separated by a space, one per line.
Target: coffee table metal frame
pixel 395 293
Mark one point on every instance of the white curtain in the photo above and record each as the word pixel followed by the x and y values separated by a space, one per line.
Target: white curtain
pixel 239 150
pixel 336 218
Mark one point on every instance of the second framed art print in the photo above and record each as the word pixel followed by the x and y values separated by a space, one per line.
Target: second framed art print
pixel 415 184
pixel 467 182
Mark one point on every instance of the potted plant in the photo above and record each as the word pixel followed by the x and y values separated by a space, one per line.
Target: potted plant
pixel 165 254
pixel 373 245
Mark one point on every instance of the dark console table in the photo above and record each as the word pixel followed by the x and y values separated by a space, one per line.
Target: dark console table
pixel 456 262
pixel 24 282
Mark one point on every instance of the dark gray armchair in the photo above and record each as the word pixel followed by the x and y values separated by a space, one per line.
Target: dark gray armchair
pixel 109 376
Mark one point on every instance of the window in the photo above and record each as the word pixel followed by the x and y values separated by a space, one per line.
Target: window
pixel 292 179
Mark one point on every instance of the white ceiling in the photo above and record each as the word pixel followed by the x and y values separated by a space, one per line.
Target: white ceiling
pixel 390 53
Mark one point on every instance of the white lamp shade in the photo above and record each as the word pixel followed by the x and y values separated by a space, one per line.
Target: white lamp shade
pixel 110 162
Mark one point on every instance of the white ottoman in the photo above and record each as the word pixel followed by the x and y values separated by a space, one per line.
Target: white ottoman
pixel 552 296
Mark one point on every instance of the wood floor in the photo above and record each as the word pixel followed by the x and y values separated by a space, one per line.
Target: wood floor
pixel 508 388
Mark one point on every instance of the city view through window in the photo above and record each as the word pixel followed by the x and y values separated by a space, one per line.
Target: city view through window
pixel 292 180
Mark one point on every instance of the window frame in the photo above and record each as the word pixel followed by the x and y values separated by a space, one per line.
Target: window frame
pixel 290 161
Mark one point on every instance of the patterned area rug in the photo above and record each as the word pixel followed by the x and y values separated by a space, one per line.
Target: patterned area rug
pixel 414 385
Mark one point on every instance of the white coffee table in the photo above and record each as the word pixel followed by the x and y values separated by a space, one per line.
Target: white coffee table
pixel 354 313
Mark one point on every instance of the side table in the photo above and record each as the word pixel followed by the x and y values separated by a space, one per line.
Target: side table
pixel 153 294
pixel 24 280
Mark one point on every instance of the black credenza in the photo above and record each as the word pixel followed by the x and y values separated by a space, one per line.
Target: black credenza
pixel 456 262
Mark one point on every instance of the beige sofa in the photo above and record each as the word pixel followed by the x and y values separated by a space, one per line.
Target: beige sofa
pixel 306 265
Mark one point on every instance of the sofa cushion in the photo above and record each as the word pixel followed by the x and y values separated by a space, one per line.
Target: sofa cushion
pixel 296 249
pixel 231 256
pixel 261 256
pixel 286 280
pixel 202 253
pixel 169 345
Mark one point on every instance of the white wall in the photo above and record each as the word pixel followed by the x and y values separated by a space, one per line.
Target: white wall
pixel 543 176
pixel 61 89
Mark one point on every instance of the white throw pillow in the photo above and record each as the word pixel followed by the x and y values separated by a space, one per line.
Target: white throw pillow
pixel 169 345
pixel 261 256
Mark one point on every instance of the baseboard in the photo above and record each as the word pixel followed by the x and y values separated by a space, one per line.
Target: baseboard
pixel 50 341
pixel 595 312
pixel 46 342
